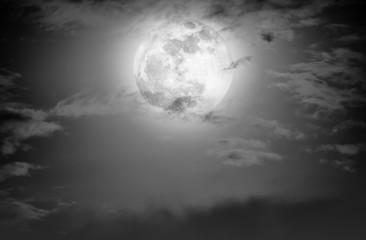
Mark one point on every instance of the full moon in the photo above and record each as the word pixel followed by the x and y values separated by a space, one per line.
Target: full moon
pixel 183 67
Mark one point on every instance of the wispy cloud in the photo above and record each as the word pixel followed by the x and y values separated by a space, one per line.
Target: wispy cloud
pixel 18 127
pixel 19 211
pixel 329 82
pixel 239 62
pixel 243 152
pixel 17 169
pixel 18 121
pixel 279 20
pixel 216 117
pixel 86 104
pixel 351 38
pixel 74 15
pixel 7 86
pixel 122 101
pixel 281 23
pixel 349 124
pixel 343 164
pixel 279 129
pixel 346 149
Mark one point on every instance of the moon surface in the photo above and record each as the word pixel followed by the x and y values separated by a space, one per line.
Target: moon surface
pixel 181 68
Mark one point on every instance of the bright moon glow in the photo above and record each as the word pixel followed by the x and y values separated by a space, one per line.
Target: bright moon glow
pixel 181 68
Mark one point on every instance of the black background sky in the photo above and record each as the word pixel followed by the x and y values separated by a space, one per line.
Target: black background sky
pixel 83 156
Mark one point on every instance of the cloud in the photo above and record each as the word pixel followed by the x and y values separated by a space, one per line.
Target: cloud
pixel 19 215
pixel 309 22
pixel 243 152
pixel 240 157
pixel 216 117
pixel 351 38
pixel 281 22
pixel 17 169
pixel 279 129
pixel 74 15
pixel 271 33
pixel 232 9
pixel 88 104
pixel 19 218
pixel 31 128
pixel 271 16
pixel 18 121
pixel 273 19
pixel 267 36
pixel 343 164
pixel 239 62
pixel 7 83
pixel 77 16
pixel 15 211
pixel 18 125
pixel 346 149
pixel 329 82
pixel 348 124
pixel 121 101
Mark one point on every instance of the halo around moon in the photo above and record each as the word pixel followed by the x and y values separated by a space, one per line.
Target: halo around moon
pixel 182 67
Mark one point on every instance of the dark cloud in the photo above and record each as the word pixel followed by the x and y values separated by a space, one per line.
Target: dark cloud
pixel 267 36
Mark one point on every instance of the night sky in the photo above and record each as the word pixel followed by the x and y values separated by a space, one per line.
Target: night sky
pixel 83 155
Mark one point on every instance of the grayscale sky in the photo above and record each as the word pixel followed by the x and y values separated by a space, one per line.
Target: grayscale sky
pixel 84 156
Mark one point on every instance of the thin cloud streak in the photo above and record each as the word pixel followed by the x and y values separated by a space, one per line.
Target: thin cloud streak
pixel 243 152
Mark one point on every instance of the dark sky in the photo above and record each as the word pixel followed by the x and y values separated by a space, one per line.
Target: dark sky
pixel 84 156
